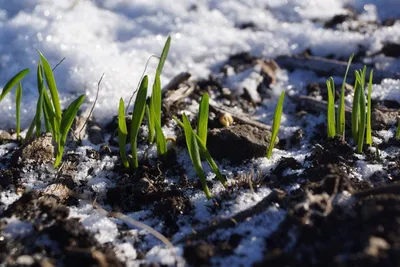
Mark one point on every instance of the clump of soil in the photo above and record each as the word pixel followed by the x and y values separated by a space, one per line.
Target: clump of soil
pixel 49 237
pixel 229 143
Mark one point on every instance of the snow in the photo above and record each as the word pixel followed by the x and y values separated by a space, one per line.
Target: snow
pixel 117 37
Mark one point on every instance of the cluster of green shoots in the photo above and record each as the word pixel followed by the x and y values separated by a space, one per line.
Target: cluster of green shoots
pixel 153 111
pixel 361 109
pixel 197 144
pixel 57 122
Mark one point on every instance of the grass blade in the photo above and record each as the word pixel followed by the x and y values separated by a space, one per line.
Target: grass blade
pixel 398 130
pixel 11 83
pixel 204 151
pixel 39 104
pixel 150 122
pixel 276 123
pixel 194 153
pixel 51 83
pixel 355 110
pixel 202 125
pixel 154 109
pixel 18 97
pixel 69 117
pixel 362 114
pixel 137 117
pixel 48 113
pixel 30 129
pixel 156 97
pixel 160 139
pixel 177 121
pixel 330 85
pixel 341 119
pixel 66 122
pixel 369 130
pixel 164 55
pixel 122 133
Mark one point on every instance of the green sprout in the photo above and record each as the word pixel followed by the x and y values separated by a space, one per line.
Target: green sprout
pixel 137 117
pixel 57 122
pixel 355 110
pixel 16 80
pixel 153 110
pixel 362 114
pixel 196 144
pixel 202 124
pixel 194 153
pixel 369 129
pixel 276 123
pixel 331 108
pixel 18 97
pixel 361 110
pixel 122 133
pixel 341 119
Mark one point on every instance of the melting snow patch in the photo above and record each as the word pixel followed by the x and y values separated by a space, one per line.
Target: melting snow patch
pixel 366 170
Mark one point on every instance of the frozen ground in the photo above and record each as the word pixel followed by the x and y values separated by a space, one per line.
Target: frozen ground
pixel 117 37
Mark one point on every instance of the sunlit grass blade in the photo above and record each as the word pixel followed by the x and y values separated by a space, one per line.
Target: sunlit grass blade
pixel 164 55
pixel 66 122
pixel 276 123
pixel 11 83
pixel 193 148
pixel 362 114
pixel 46 113
pixel 204 151
pixel 355 110
pixel 369 130
pixel 30 129
pixel 341 119
pixel 154 108
pixel 69 117
pixel 202 124
pixel 56 132
pixel 51 83
pixel 177 121
pixel 150 122
pixel 206 154
pixel 18 97
pixel 156 97
pixel 122 133
pixel 39 105
pixel 137 117
pixel 330 85
pixel 160 139
pixel 49 115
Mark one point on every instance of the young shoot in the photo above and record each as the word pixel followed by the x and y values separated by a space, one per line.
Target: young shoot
pixel 362 111
pixel 194 153
pixel 137 117
pixel 330 85
pixel 16 80
pixel 276 124
pixel 369 129
pixel 200 147
pixel 122 133
pixel 341 119
pixel 153 110
pixel 58 123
